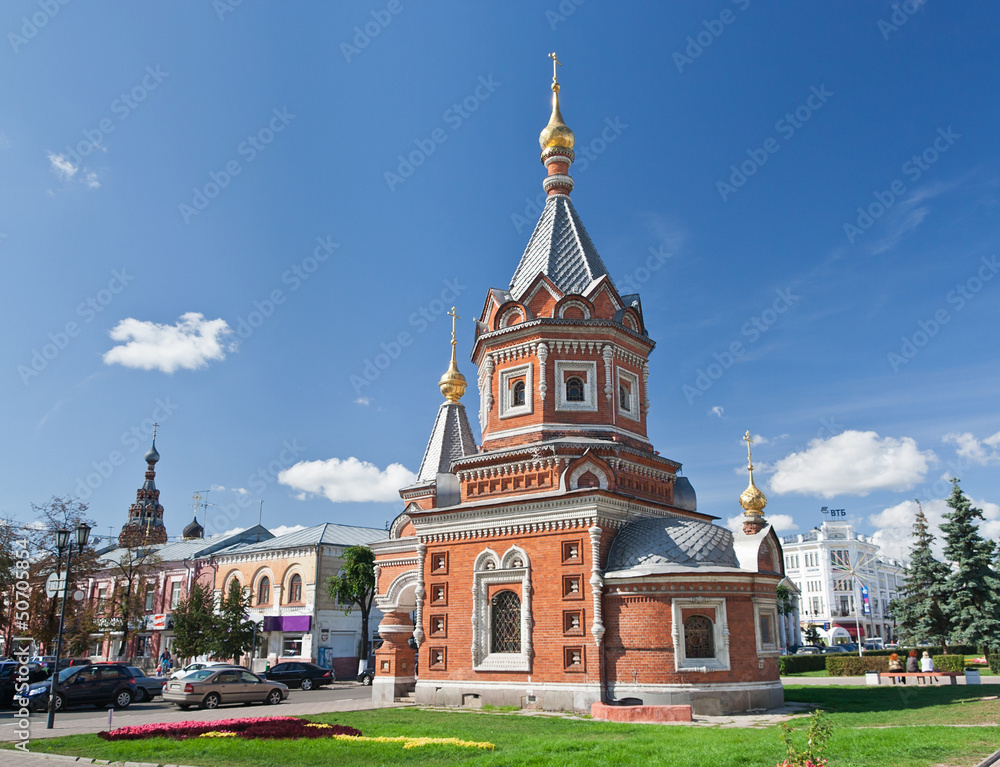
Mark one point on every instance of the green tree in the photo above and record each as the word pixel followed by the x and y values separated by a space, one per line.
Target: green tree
pixel 812 634
pixel 973 586
pixel 921 609
pixel 233 633
pixel 194 623
pixel 130 569
pixel 354 586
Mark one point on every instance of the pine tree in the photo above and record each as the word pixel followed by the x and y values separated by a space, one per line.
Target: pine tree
pixel 920 610
pixel 973 585
pixel 233 633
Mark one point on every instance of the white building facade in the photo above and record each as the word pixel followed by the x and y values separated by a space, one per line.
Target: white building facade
pixel 832 565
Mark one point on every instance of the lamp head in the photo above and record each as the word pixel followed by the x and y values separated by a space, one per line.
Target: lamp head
pixel 82 535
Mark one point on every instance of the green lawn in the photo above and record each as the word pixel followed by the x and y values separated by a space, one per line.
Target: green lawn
pixel 870 729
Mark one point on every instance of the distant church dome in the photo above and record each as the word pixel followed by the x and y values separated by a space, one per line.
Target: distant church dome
pixel 152 456
pixel 193 530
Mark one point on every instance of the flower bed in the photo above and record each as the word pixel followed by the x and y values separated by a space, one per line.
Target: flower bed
pixel 251 729
pixel 275 727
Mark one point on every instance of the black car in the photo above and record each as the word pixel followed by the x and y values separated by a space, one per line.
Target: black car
pixel 10 678
pixel 98 684
pixel 299 674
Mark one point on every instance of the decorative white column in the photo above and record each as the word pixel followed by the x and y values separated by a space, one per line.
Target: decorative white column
pixel 486 391
pixel 645 385
pixel 543 354
pixel 609 356
pixel 596 583
pixel 418 631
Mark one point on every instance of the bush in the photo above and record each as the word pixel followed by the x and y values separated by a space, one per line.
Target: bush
pixel 995 660
pixel 949 663
pixel 796 664
pixel 852 665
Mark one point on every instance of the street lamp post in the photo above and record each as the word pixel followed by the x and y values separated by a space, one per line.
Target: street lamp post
pixel 63 542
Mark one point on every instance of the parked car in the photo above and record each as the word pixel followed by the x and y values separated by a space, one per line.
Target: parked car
pixel 10 679
pixel 190 667
pixel 809 649
pixel 299 674
pixel 98 684
pixel 833 649
pixel 146 687
pixel 368 673
pixel 210 688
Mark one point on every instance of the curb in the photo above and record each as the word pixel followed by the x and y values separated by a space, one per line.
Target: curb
pixel 992 759
pixel 85 760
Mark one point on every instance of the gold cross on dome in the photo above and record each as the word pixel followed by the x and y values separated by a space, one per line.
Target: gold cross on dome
pixel 555 63
pixel 749 440
pixel 155 426
pixel 454 317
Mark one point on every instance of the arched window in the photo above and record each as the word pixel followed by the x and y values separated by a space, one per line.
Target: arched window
pixel 517 394
pixel 699 640
pixel 574 389
pixel 624 397
pixel 264 591
pixel 505 622
pixel 295 588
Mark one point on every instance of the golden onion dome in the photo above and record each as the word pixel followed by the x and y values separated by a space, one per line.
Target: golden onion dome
pixel 557 132
pixel 752 499
pixel 452 383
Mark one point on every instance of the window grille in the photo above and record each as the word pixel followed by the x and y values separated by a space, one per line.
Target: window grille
pixel 505 612
pixel 574 389
pixel 698 637
pixel 517 395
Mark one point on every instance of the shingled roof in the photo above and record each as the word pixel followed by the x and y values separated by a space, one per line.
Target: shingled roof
pixel 451 439
pixel 652 544
pixel 561 249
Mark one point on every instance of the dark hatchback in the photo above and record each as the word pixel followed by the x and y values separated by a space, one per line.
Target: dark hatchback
pixel 11 678
pixel 298 674
pixel 97 684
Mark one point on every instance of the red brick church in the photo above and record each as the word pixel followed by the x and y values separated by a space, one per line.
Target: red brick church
pixel 564 561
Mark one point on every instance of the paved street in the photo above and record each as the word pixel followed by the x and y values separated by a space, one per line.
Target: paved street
pixel 342 696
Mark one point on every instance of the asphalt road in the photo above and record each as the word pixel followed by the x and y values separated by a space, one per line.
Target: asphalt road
pixel 90 719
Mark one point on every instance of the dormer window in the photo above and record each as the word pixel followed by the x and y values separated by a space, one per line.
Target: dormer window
pixel 574 389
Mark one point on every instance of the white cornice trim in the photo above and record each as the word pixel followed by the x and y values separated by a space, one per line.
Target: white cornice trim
pixel 563 427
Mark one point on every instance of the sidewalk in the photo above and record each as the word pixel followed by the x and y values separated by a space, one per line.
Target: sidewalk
pixel 860 680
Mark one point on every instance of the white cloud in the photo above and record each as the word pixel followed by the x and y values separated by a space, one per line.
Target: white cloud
pixel 5 143
pixel 362 401
pixel 189 344
pixel 91 180
pixel 780 522
pixel 984 452
pixel 760 439
pixel 217 488
pixel 717 410
pixel 852 463
pixel 348 480
pixel 63 168
pixel 895 524
pixel 285 529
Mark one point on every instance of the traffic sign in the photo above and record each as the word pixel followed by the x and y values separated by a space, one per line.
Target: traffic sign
pixel 55 583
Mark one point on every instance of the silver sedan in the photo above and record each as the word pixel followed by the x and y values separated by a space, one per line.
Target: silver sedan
pixel 210 688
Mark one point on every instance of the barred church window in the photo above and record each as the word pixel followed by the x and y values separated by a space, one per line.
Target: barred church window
pixel 505 622
pixel 574 389
pixel 698 639
pixel 517 394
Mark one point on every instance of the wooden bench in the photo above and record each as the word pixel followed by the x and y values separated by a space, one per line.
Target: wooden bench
pixel 921 675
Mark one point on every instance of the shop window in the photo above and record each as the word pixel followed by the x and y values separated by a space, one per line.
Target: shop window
pixel 291 646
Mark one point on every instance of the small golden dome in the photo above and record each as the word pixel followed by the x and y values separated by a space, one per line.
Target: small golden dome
pixel 752 499
pixel 452 383
pixel 557 132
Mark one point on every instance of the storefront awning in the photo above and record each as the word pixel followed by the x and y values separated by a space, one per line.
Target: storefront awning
pixel 287 623
pixel 852 629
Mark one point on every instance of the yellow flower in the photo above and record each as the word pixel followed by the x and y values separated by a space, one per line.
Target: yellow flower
pixel 417 742
pixel 217 734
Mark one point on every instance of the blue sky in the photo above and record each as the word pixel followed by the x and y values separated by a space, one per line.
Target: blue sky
pixel 217 216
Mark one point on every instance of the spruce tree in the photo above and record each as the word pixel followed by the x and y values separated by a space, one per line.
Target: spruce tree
pixel 920 611
pixel 233 633
pixel 194 621
pixel 974 588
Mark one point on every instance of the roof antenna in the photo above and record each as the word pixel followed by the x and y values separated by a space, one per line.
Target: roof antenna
pixel 260 515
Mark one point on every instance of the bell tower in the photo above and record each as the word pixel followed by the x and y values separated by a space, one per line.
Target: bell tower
pixel 145 517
